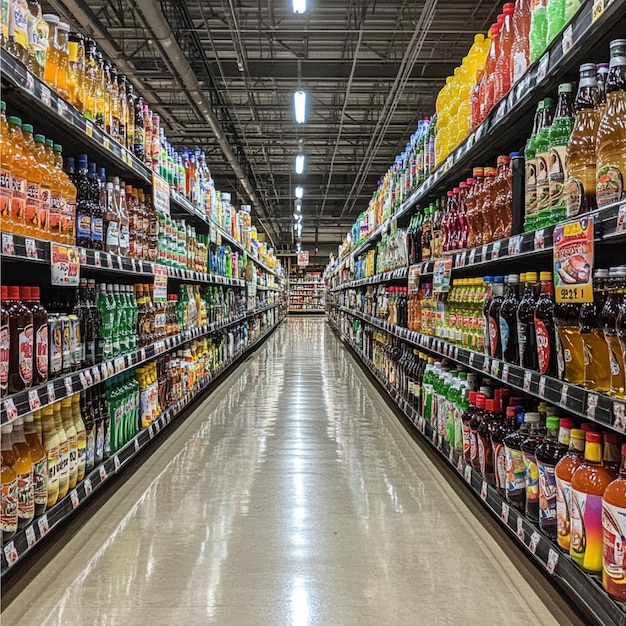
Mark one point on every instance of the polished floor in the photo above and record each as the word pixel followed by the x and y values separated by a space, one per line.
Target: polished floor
pixel 291 496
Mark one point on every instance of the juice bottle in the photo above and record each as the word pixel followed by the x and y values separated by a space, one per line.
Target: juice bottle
pixel 52 52
pixel 64 451
pixel 611 456
pixel 589 482
pixel 503 200
pixel 5 343
pixel 70 430
pixel 602 72
pixel 17 43
pixel 571 354
pixel 608 318
pixel 41 224
pixel 23 468
pixel 19 168
pixel 530 184
pixel 580 154
pixel 555 19
pixel 520 49
pixel 21 343
pixel 40 465
pixel 6 164
pixel 549 452
pixel 499 432
pixel 545 333
pixel 32 211
pixel 559 136
pixel 67 227
pixel 8 505
pixel 488 83
pixel 507 321
pixel 76 70
pixel 474 424
pixel 564 470
pixel 37 39
pixel 90 80
pixel 614 531
pixel 531 472
pixel 611 138
pixel 502 79
pixel 542 147
pixel 488 203
pixel 37 424
pixel 52 445
pixel 538 29
pixel 63 31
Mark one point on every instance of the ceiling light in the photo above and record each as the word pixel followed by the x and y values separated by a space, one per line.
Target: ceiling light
pixel 300 164
pixel 299 103
pixel 299 192
pixel 299 6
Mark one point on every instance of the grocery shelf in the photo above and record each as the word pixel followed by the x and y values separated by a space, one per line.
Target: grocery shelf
pixel 26 539
pixel 584 588
pixel 590 405
pixel 400 273
pixel 19 404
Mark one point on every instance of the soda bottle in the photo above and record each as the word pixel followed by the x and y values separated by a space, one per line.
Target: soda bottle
pixel 580 154
pixel 608 318
pixel 507 321
pixel 5 344
pixel 538 29
pixel 542 147
pixel 487 90
pixel 30 298
pixel 97 213
pixel 8 505
pixel 520 49
pixel 544 327
pixel 530 184
pixel 503 210
pixel 502 79
pixel 491 417
pixel 555 19
pixel 531 471
pixel 83 204
pixel 559 136
pixel 493 338
pixel 611 138
pixel 20 342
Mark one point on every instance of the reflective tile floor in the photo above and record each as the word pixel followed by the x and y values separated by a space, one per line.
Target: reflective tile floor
pixel 291 496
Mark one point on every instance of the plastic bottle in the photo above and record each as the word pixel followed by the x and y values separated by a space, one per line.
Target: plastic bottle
pixel 520 49
pixel 542 147
pixel 488 82
pixel 545 328
pixel 531 472
pixel 40 465
pixel 70 431
pixel 610 312
pixel 20 342
pixel 23 468
pixel 17 43
pixel 503 210
pixel 51 444
pixel 495 345
pixel 502 82
pixel 558 138
pixel 37 39
pixel 5 341
pixel 530 156
pixel 8 505
pixel 555 19
pixel 64 451
pixel 538 29
pixel 19 170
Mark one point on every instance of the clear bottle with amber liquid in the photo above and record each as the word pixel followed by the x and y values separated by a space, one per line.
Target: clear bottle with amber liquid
pixel 8 505
pixel 23 467
pixel 611 137
pixel 616 289
pixel 570 355
pixel 40 464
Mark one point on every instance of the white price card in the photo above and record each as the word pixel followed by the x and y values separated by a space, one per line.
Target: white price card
pixel 88 486
pixel 567 39
pixel 542 67
pixel 83 256
pixel 31 248
pixel 96 259
pixel 592 405
pixel 44 95
pixel 451 454
pixel 68 385
pixel 472 256
pixel 515 245
pixel 433 437
pixel 103 473
pixel 467 473
pixel 150 431
pixel 621 219
pixel 520 528
pixel 472 358
pixel 136 445
pixel 495 366
pixel 553 559
pixel 486 365
pixel 542 386
pixel 527 380
pixel 10 408
pixel 10 552
pixel 459 465
pixel 74 498
pixel 83 380
pixel 495 250
pixel 483 490
pixel 88 378
pixel 8 247
pixel 505 372
pixel 505 512
pixel 534 541
pixel 109 260
pixel 619 416
pixel 31 539
pixel 116 462
pixel 42 522
pixel 564 389
pixel 33 400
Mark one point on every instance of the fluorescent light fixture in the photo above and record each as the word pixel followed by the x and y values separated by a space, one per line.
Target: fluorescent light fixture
pixel 300 164
pixel 299 6
pixel 299 192
pixel 299 104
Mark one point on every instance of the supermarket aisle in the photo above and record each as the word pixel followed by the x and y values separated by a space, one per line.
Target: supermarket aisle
pixel 291 496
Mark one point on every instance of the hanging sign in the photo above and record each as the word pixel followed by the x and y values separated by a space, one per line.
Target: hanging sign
pixel 160 283
pixel 303 258
pixel 573 260
pixel 64 265
pixel 441 276
pixel 160 194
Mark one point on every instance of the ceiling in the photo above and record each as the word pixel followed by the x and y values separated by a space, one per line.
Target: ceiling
pixel 221 73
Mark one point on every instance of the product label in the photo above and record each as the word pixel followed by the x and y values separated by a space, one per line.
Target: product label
pixel 614 540
pixel 4 356
pixel 76 346
pixel 4 15
pixel 473 446
pixel 33 203
pixel 81 452
pixel 563 494
pixel 56 211
pixel 25 496
pixel 547 494
pixel 124 237
pixel 586 530
pixel 55 361
pixel 40 480
pixel 90 449
pixel 18 23
pixel 521 340
pixel 531 473
pixel 493 335
pixel 5 193
pixel 41 354
pixel 557 175
pixel 64 463
pixel 609 185
pixel 18 198
pixel 484 456
pixel 96 229
pixel 25 348
pixel 575 197
pixel 543 345
pixel 614 362
pixel 520 65
pixel 500 465
pixel 531 186
pixel 83 226
pixel 467 441
pixel 8 513
pixel 38 40
pixel 504 334
pixel 112 235
pixel 53 472
pixel 515 471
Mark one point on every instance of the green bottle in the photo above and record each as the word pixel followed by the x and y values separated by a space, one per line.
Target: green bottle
pixel 530 156
pixel 542 149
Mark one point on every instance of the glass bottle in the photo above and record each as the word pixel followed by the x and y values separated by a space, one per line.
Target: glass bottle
pixel 31 299
pixel 507 321
pixel 616 290
pixel 570 355
pixel 40 465
pixel 63 31
pixel 37 39
pixel 76 70
pixel 531 472
pixel 81 438
pixel 530 185
pixel 91 79
pixel 542 145
pixel 545 333
pixel 23 468
pixel 64 451
pixel 70 431
pixel 51 444
pixel 20 342
pixel 5 344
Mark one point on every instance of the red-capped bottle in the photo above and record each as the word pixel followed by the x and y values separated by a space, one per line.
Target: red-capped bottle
pixel 467 431
pixel 545 331
pixel 21 343
pixel 474 424
pixel 5 344
pixel 30 298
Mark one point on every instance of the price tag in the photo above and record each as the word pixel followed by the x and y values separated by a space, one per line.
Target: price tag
pixel 619 416
pixel 10 552
pixel 68 385
pixel 120 264
pixel 150 431
pixel 83 256
pixel 136 445
pixel 116 463
pixel 433 437
pixel 542 386
pixel 592 405
pixel 483 491
pixel 564 389
pixel 520 528
pixel 534 542
pixel 486 364
pixel 104 370
pixel 88 486
pixel 515 245
pixel 495 366
pixel 621 219
pixel 142 354
pixel 61 107
pixel 467 473
pixel 540 242
pixel 542 68
pixel 553 559
pixel 106 144
pixel 31 248
pixel 505 372
pixel 573 257
pixel 463 259
pixel 472 358
pixel 505 513
pixel 88 378
pixel 527 380
pixel 96 259
pixel 109 260
pixel 42 522
pixel 472 256
pixel 83 380
pixel 74 498
pixel 567 39
pixel 64 265
pixel 44 95
pixel 8 247
pixel 451 455
pixel 459 466
pixel 157 426
pixel 597 9
pixel 33 400
pixel 495 250
pixel 103 473
pixel 31 540
pixel 89 128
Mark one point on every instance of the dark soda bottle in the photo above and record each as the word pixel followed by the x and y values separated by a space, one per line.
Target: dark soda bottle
pixel 526 339
pixel 500 430
pixel 508 321
pixel 545 330
pixel 495 346
pixel 529 446
pixel 83 203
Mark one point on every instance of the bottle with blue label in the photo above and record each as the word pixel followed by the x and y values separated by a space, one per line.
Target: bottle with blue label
pixel 83 201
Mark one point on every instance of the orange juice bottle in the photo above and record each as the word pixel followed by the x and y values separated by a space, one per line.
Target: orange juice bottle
pixel 33 186
pixel 6 163
pixel 45 185
pixel 23 467
pixel 52 54
pixel 56 197
pixel 68 217
pixel 8 510
pixel 15 224
pixel 63 31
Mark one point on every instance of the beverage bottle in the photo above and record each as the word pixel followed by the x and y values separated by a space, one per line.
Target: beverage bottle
pixel 76 70
pixel 545 333
pixel 611 456
pixel 111 221
pixel 474 424
pixel 20 342
pixel 538 29
pixel 488 208
pixel 502 79
pixel 62 59
pixel 70 431
pixel 508 321
pixel 37 39
pixel 462 216
pixel 30 298
pixel 548 453
pixel 487 92
pixel 32 210
pixel 580 154
pixel 493 337
pixel 124 234
pixel 64 451
pixel 597 370
pixel 564 470
pixel 602 72
pixel 40 465
pixel 608 318
pixel 5 343
pixel 19 171
pixel 57 210
pixel 542 147
pixel 42 216
pixel 52 446
pixel 614 529
pixel 6 166
pixel 611 138
pixel 558 138
pixel 81 438
pixel 8 504
pixel 502 209
pixel 107 315
pixel 17 43
pixel 589 482
pixel 531 472
pixel 520 48
pixel 491 417
pixel 87 414
pixel 91 79
pixel 530 184
pixel 23 468
pixel 555 19
pixel 82 313
pixel 570 353
pixel 502 429
pixel 97 213
pixel 83 204
pixel 514 462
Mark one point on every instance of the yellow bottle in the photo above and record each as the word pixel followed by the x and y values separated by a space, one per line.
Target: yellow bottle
pixel 63 31
pixel 76 70
pixel 64 452
pixel 67 226
pixel 70 431
pixel 52 52
pixel 45 189
pixel 37 424
pixel 37 40
pixel 23 467
pixel 33 187
pixel 40 464
pixel 19 166
pixel 51 444
pixel 81 437
pixel 6 164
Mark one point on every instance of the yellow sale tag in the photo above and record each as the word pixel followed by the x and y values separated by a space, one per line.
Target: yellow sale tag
pixel 573 260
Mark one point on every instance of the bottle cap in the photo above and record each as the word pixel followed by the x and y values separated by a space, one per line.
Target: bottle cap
pixel 57 147
pixel 612 437
pixel 39 139
pixel 593 437
pixel 498 279
pixel 531 277
pixel 589 426
pixel 25 293
pixel 14 293
pixel 510 411
pixel 480 400
pixel 514 155
pixel 14 120
pixel 532 417
pixel 566 422
pixel 509 8
pixel 34 293
pixel 545 276
pixel 4 292
pixel 51 18
pixel 513 279
pixel 565 88
pixel 27 128
pixel 577 433
pixel 552 423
